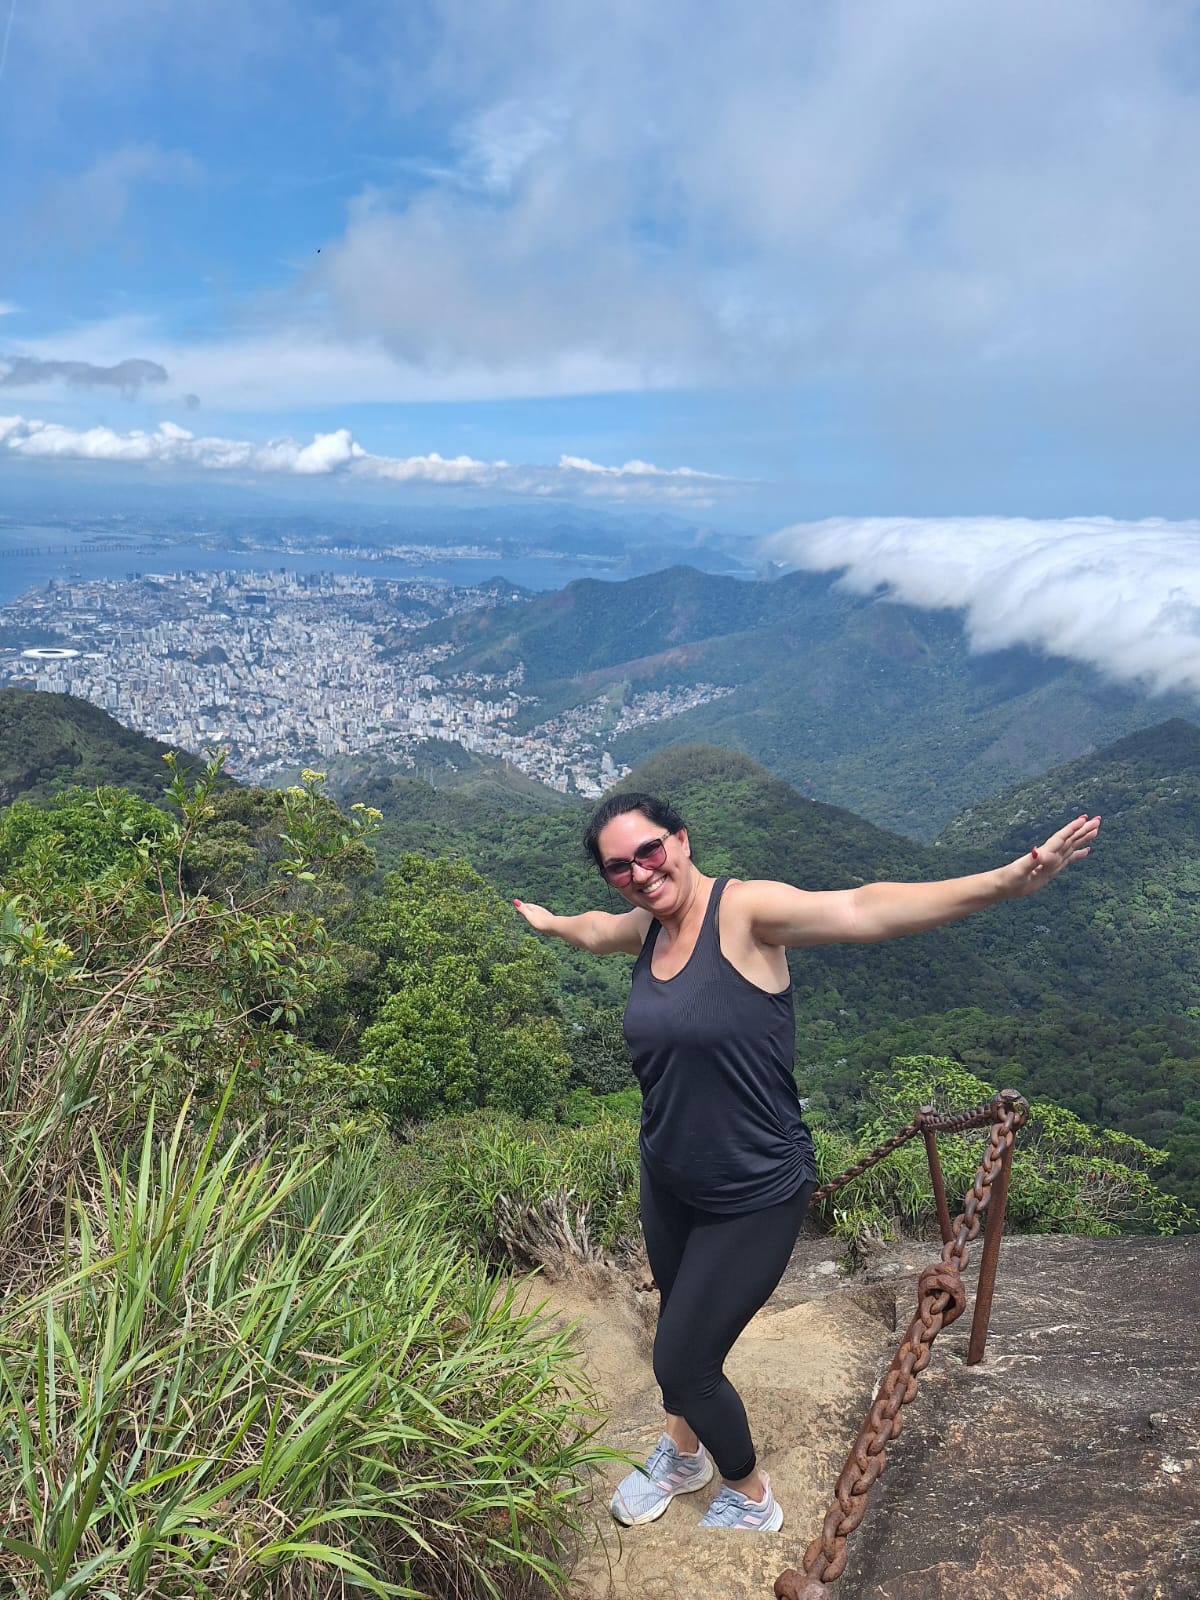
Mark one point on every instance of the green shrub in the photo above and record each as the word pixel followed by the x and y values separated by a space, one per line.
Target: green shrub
pixel 177 989
pixel 599 1055
pixel 463 1005
pixel 1066 1176
pixel 529 1191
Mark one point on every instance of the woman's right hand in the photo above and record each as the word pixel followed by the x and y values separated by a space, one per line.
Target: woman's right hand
pixel 538 918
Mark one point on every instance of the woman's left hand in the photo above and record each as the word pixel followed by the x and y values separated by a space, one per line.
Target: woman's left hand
pixel 1033 871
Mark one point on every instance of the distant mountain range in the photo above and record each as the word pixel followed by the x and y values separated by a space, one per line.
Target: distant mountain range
pixel 863 703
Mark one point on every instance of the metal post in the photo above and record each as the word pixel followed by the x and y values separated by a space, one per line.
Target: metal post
pixel 988 1260
pixel 939 1187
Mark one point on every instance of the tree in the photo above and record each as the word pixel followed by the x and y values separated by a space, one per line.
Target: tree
pixel 1066 1177
pixel 184 991
pixel 463 1003
pixel 76 839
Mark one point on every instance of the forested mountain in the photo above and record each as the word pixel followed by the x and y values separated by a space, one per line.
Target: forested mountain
pixel 1145 781
pixel 857 701
pixel 1108 936
pixel 50 741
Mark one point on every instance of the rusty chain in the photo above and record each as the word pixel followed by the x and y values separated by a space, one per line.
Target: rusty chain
pixel 878 1154
pixel 941 1299
pixel 927 1117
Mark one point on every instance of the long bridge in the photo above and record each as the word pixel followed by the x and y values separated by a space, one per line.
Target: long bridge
pixel 99 549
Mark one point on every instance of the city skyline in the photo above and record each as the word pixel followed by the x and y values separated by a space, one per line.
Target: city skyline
pixel 276 669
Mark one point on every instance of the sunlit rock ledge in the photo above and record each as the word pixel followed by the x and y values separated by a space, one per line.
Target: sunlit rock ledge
pixel 1068 1462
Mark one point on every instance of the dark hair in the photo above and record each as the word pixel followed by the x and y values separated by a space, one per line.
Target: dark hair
pixel 660 812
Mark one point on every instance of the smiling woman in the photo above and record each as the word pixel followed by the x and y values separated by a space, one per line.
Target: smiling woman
pixel 727 1161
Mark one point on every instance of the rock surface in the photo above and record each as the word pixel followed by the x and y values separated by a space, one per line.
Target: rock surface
pixel 1065 1465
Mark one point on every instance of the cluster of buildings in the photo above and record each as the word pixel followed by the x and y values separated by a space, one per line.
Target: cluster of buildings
pixel 281 670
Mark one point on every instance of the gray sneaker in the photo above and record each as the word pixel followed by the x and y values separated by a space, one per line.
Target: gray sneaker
pixel 733 1510
pixel 647 1492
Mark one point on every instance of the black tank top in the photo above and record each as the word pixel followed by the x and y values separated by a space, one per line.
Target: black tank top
pixel 721 1123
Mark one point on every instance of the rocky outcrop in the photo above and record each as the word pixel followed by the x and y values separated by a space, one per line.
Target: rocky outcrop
pixel 1066 1465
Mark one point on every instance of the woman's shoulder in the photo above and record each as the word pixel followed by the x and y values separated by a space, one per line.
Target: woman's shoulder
pixel 747 898
pixel 746 889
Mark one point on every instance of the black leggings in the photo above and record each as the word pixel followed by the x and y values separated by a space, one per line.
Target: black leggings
pixel 713 1273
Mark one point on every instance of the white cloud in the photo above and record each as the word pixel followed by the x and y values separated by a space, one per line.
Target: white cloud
pixel 499 144
pixel 1123 597
pixel 8 309
pixel 904 193
pixel 915 199
pixel 170 445
pixel 633 469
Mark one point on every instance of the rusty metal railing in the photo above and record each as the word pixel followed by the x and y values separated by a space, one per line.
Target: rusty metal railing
pixel 941 1299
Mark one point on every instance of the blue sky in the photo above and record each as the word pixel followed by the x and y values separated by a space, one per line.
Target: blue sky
pixel 796 262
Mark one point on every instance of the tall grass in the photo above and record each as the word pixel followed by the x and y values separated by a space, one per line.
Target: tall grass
pixel 232 1372
pixel 530 1193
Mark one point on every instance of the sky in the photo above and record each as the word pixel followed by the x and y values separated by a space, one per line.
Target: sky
pixel 766 265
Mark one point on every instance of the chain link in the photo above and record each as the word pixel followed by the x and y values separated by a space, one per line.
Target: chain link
pixel 927 1117
pixel 941 1299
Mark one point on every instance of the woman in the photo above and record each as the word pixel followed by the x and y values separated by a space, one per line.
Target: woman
pixel 727 1162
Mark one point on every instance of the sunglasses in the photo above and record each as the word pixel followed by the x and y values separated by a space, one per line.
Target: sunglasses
pixel 651 854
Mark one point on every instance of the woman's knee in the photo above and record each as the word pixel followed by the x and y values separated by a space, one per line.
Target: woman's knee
pixel 679 1371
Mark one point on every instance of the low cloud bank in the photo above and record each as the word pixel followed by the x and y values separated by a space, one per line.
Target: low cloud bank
pixel 21 372
pixel 1123 597
pixel 172 446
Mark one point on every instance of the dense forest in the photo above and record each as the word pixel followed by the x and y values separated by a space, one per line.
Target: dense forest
pixel 1085 996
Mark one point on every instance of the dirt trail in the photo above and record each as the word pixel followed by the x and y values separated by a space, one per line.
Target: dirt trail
pixel 1066 1465
pixel 805 1367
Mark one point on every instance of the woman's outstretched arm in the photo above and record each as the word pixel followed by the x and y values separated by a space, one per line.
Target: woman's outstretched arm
pixel 779 914
pixel 604 933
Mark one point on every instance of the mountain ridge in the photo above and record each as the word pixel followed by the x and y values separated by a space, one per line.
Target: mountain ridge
pixel 856 700
pixel 49 742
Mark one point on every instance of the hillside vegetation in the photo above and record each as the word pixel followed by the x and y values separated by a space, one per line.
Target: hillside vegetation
pixel 241 1355
pixel 857 701
pixel 1086 994
pixel 283 1120
pixel 48 741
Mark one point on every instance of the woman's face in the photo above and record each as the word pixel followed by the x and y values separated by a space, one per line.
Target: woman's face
pixel 660 884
